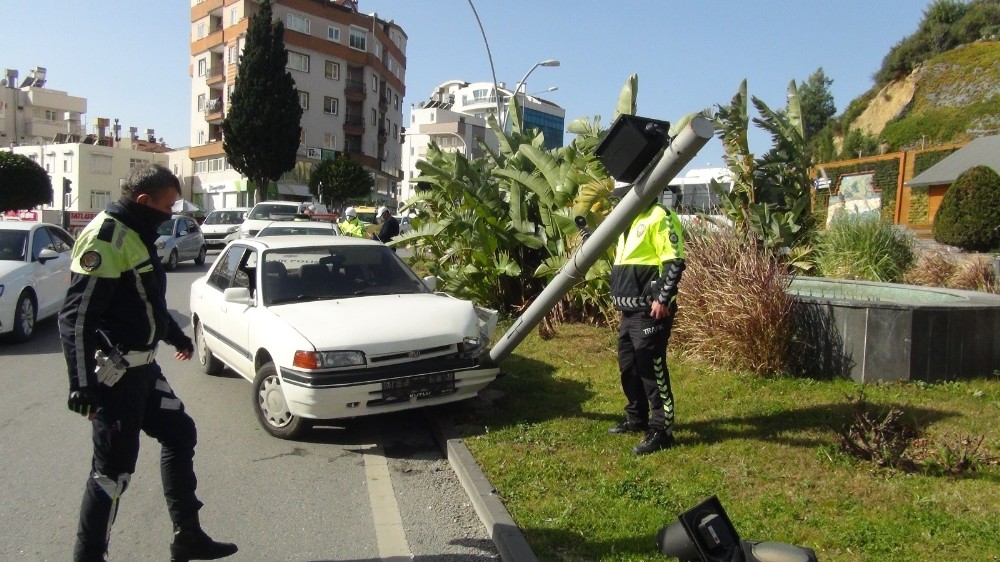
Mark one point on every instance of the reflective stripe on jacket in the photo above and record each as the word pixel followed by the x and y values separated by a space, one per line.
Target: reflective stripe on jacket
pixel 648 260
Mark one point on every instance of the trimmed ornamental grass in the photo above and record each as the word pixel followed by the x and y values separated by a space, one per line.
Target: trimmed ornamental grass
pixel 864 247
pixel 766 446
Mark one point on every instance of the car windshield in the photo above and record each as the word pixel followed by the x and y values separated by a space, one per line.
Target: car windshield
pixel 13 244
pixel 224 217
pixel 334 272
pixel 166 228
pixel 265 211
pixel 292 229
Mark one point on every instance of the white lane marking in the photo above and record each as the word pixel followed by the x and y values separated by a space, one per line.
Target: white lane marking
pixel 389 533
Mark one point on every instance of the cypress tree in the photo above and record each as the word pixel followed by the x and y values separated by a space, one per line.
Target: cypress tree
pixel 262 128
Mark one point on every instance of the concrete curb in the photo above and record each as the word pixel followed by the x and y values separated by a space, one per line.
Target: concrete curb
pixel 506 535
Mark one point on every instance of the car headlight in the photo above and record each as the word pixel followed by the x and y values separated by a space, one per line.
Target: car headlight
pixel 232 229
pixel 161 244
pixel 327 359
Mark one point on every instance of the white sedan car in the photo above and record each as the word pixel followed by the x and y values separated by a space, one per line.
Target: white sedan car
pixel 34 275
pixel 312 321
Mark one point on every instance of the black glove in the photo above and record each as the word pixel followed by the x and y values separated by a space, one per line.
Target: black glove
pixel 84 401
pixel 183 343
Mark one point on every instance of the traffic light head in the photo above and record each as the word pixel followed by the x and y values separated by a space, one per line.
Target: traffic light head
pixel 67 185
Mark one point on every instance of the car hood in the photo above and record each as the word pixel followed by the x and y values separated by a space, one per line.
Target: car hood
pixel 218 228
pixel 382 323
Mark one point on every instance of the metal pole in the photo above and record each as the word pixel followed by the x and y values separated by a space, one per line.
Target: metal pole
pixel 496 87
pixel 673 159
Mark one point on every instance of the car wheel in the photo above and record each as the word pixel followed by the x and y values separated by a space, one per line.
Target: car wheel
pixel 270 405
pixel 24 318
pixel 200 260
pixel 171 261
pixel 210 365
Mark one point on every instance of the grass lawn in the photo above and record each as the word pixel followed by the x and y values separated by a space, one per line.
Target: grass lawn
pixel 766 447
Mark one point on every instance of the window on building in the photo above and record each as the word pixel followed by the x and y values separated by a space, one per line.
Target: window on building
pixel 201 102
pixel 395 130
pixel 303 99
pixel 331 106
pixel 377 49
pixel 201 30
pixel 374 117
pixel 100 164
pixel 133 163
pixel 202 66
pixel 332 70
pixel 67 165
pixel 233 57
pixel 298 23
pixel 216 164
pixel 302 137
pixel 333 33
pixel 358 39
pixel 298 61
pixel 374 83
pixel 330 141
pixel 395 101
pixel 201 137
pixel 390 64
pixel 99 199
pixel 234 16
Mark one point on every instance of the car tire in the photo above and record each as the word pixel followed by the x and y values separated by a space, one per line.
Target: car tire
pixel 171 261
pixel 270 405
pixel 210 364
pixel 25 316
pixel 200 260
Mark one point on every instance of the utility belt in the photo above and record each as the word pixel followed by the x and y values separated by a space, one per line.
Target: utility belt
pixel 112 361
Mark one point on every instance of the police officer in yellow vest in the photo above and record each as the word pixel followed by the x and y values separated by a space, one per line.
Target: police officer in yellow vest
pixel 114 315
pixel 649 260
pixel 352 225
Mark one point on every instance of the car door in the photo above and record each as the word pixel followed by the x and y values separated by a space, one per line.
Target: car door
pixel 224 327
pixel 235 318
pixel 62 242
pixel 46 276
pixel 187 242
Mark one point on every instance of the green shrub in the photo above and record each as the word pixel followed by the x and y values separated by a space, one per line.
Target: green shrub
pixel 864 247
pixel 970 211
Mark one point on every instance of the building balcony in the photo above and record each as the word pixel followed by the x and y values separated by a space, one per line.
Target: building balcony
pixel 215 75
pixel 214 110
pixel 354 126
pixel 383 104
pixel 354 90
pixel 383 134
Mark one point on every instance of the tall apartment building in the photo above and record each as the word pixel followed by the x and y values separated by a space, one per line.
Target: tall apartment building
pixel 454 117
pixel 349 69
pixel 30 113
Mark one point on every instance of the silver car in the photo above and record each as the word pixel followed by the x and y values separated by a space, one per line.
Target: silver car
pixel 180 240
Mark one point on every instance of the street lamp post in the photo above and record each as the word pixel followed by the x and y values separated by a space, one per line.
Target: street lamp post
pixel 520 84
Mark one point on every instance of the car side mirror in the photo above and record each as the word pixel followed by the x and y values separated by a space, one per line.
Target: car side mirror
pixel 238 295
pixel 431 282
pixel 47 254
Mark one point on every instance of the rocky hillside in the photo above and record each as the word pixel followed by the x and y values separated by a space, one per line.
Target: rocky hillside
pixel 951 97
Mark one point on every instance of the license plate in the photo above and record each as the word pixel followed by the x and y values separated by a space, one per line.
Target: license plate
pixel 420 386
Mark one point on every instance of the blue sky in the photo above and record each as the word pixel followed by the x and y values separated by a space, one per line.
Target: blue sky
pixel 130 58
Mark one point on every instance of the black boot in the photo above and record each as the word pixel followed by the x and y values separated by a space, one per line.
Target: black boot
pixel 627 426
pixel 191 543
pixel 655 440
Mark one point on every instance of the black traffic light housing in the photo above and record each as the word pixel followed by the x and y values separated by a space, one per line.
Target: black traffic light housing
pixel 630 145
pixel 67 185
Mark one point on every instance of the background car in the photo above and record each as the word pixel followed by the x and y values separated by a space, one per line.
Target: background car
pixel 34 275
pixel 220 223
pixel 310 320
pixel 296 227
pixel 180 240
pixel 266 212
pixel 404 224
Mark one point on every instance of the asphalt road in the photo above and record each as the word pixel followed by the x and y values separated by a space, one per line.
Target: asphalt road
pixel 374 488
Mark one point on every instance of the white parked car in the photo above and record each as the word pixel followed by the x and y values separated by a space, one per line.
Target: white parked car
pixel 34 275
pixel 264 213
pixel 220 223
pixel 312 321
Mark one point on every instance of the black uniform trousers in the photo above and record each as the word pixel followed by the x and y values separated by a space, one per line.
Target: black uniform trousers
pixel 141 401
pixel 642 362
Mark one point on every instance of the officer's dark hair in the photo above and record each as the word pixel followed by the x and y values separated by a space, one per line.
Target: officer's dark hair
pixel 150 179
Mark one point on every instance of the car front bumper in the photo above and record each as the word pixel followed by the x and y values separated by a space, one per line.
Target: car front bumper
pixel 362 398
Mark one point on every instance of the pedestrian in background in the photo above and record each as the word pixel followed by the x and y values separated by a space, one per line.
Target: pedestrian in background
pixel 116 302
pixel 390 225
pixel 352 225
pixel 649 260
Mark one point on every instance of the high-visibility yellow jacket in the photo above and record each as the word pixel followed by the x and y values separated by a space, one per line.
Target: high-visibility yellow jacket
pixel 649 260
pixel 353 226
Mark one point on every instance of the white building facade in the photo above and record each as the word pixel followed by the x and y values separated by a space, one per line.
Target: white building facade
pixel 349 69
pixel 30 113
pixel 455 118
